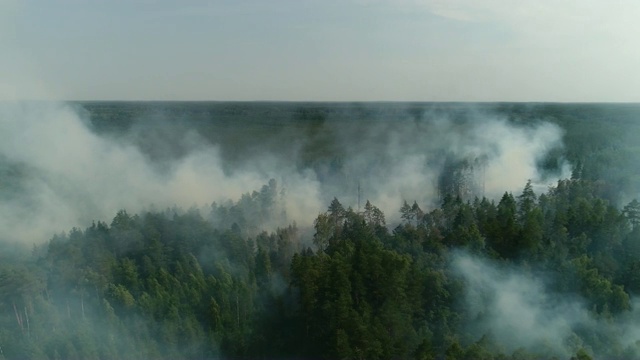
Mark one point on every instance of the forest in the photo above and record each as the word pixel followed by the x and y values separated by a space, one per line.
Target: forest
pixel 536 271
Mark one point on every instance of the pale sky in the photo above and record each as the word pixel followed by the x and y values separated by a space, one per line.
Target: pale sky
pixel 321 50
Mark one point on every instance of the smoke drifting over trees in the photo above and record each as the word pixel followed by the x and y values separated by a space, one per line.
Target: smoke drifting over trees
pixel 517 310
pixel 212 230
pixel 67 173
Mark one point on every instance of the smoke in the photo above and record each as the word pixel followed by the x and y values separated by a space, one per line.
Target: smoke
pixel 59 169
pixel 412 158
pixel 514 153
pixel 517 309
pixel 65 175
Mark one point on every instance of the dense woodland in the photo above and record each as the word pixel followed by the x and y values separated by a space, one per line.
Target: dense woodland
pixel 215 283
pixel 173 284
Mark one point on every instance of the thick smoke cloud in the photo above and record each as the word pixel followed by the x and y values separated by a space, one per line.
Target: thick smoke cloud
pixel 395 161
pixel 58 171
pixel 66 175
pixel 516 308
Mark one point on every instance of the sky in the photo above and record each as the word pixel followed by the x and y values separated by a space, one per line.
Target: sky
pixel 321 50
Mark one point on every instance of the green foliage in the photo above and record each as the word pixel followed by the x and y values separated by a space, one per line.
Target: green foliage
pixel 174 284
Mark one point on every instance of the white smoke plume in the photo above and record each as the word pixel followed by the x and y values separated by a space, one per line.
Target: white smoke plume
pixel 396 161
pixel 516 308
pixel 59 172
pixel 69 176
